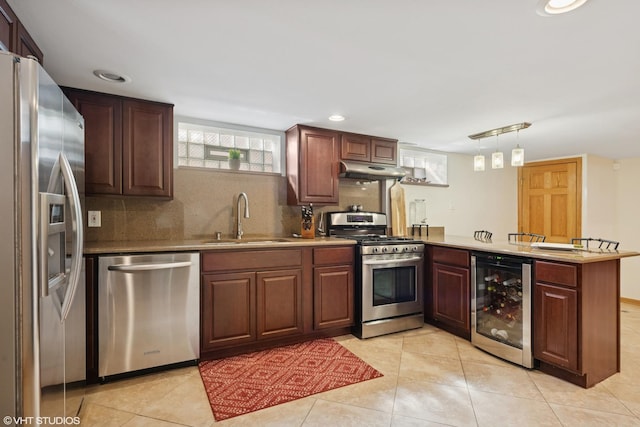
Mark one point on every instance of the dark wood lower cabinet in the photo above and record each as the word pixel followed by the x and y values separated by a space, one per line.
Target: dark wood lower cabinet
pixel 256 299
pixel 451 304
pixel 556 323
pixel 228 309
pixel 447 290
pixel 576 320
pixel 333 297
pixel 279 303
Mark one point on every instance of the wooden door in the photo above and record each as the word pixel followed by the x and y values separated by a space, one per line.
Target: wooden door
pixel 556 325
pixel 147 149
pixel 103 140
pixel 279 303
pixel 549 199
pixel 228 306
pixel 333 297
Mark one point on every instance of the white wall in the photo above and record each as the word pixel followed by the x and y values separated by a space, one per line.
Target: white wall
pixel 610 211
pixel 599 198
pixel 473 201
pixel 627 219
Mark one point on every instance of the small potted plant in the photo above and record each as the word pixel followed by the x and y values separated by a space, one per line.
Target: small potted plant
pixel 234 159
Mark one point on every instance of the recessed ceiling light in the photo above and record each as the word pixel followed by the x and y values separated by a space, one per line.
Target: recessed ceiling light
pixel 556 7
pixel 336 118
pixel 111 76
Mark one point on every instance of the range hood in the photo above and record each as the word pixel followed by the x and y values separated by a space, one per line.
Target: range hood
pixel 371 171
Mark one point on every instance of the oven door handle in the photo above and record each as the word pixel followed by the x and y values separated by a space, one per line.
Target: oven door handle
pixel 397 261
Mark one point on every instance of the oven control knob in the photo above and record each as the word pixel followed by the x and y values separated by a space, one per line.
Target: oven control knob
pixel 376 250
pixel 415 249
pixel 385 249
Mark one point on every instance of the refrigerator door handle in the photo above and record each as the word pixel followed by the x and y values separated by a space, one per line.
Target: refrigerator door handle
pixel 77 238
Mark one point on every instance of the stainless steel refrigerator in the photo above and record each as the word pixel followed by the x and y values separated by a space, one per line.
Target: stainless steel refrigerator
pixel 41 244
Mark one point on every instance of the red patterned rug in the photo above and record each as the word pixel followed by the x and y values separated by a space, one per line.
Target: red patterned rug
pixel 249 382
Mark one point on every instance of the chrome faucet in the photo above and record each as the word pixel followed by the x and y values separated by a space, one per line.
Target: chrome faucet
pixel 246 213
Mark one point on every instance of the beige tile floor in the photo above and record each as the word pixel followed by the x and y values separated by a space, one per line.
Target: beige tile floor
pixel 431 378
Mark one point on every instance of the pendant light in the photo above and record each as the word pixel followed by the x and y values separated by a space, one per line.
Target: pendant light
pixel 478 161
pixel 497 159
pixel 517 154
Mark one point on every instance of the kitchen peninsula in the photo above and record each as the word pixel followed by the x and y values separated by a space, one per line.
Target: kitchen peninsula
pixel 575 296
pixel 575 302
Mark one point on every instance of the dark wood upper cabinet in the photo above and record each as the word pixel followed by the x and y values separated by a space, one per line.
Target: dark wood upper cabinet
pixel 384 151
pixel 355 147
pixel 368 149
pixel 128 144
pixel 313 161
pixel 312 165
pixel 147 149
pixel 103 141
pixel 8 22
pixel 14 37
pixel 25 45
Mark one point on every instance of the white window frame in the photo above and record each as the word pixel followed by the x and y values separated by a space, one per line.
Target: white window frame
pixel 276 137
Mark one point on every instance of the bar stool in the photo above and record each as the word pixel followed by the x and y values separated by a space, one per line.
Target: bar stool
pixel 482 235
pixel 418 227
pixel 604 244
pixel 522 237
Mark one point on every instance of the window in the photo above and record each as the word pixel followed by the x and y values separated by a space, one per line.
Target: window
pixel 423 167
pixel 207 146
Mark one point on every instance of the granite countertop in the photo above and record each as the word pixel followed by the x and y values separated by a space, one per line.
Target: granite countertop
pixel 526 250
pixel 144 246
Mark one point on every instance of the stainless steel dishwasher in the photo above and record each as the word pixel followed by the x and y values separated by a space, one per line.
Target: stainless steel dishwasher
pixel 148 311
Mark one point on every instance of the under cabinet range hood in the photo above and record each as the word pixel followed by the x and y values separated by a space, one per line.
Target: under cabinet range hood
pixel 372 171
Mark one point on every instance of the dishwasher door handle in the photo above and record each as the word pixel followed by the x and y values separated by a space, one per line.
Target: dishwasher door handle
pixel 148 267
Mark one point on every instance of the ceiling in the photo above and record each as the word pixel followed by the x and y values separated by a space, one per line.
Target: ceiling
pixel 425 72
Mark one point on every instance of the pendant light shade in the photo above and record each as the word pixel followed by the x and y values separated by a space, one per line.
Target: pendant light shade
pixel 497 160
pixel 517 156
pixel 478 163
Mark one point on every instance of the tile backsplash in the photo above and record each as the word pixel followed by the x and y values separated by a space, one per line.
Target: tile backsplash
pixel 204 203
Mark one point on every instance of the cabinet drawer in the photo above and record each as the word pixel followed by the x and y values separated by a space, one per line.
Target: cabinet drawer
pixel 552 272
pixel 333 255
pixel 250 260
pixel 457 257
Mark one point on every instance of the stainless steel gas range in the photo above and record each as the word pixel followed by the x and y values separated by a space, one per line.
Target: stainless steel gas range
pixel 389 274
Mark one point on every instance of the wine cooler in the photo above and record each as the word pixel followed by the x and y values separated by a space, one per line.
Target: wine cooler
pixel 501 306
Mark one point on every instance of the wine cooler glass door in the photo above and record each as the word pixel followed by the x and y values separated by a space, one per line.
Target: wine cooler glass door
pixel 501 305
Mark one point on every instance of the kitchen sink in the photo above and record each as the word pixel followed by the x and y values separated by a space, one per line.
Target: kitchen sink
pixel 244 241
